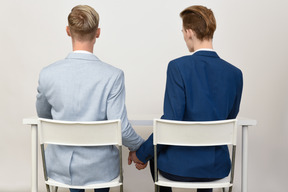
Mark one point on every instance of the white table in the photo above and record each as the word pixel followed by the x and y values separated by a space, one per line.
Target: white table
pixel 243 122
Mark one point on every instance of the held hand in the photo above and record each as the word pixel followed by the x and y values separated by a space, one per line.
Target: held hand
pixel 130 158
pixel 134 158
pixel 141 166
pixel 138 164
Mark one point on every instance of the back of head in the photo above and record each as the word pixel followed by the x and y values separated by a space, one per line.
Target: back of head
pixel 201 20
pixel 83 23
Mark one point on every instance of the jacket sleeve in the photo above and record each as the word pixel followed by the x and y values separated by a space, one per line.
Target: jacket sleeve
pixel 43 107
pixel 174 101
pixel 235 109
pixel 174 107
pixel 146 151
pixel 116 109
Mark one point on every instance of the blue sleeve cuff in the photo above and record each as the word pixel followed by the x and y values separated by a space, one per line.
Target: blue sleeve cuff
pixel 146 151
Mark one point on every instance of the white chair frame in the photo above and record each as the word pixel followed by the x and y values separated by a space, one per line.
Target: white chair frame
pixel 71 133
pixel 188 133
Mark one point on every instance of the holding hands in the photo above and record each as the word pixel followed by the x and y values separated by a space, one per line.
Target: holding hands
pixel 133 158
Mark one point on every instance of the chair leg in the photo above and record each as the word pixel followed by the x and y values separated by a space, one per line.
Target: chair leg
pixel 55 189
pixel 223 189
pixel 156 188
pixel 121 188
pixel 47 188
pixel 230 189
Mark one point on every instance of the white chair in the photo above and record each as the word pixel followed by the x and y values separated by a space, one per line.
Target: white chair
pixel 96 133
pixel 184 133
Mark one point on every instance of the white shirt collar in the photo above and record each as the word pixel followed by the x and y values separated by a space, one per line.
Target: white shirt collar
pixel 82 51
pixel 204 49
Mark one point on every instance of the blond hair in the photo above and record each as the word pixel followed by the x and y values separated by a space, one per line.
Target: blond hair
pixel 201 20
pixel 83 22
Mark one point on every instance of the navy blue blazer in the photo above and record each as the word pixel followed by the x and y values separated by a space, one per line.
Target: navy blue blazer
pixel 199 87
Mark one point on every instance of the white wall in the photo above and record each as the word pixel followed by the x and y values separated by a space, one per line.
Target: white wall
pixel 141 37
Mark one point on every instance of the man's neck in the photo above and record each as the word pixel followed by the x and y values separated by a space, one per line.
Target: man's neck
pixel 83 46
pixel 205 44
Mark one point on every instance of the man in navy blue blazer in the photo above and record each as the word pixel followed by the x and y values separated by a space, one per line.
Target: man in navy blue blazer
pixel 199 87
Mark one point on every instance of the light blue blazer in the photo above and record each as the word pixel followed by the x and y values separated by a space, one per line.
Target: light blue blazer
pixel 83 88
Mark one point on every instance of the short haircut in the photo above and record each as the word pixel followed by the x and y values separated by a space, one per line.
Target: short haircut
pixel 83 22
pixel 201 20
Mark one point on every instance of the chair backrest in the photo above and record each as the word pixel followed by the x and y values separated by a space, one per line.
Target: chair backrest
pixel 94 133
pixel 191 133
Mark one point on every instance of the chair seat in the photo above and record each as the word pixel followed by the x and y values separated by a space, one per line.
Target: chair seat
pixel 222 183
pixel 113 183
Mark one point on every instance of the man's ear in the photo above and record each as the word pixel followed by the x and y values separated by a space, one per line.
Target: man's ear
pixel 68 31
pixel 98 32
pixel 190 33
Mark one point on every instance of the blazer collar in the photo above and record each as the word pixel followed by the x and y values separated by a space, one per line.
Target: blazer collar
pixel 206 53
pixel 82 56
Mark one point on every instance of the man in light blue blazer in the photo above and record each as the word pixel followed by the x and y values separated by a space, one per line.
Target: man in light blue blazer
pixel 83 88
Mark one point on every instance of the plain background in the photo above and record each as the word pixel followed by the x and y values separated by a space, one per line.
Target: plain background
pixel 141 37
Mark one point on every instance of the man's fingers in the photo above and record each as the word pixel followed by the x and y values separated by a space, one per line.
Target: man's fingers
pixel 140 166
pixel 129 159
